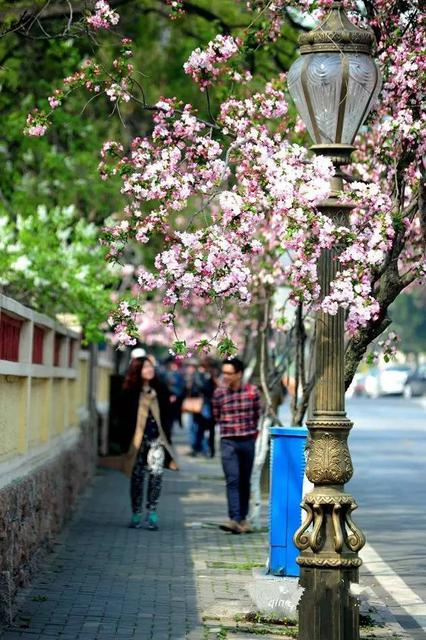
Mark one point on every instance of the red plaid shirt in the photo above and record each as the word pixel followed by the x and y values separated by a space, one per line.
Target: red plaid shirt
pixel 237 411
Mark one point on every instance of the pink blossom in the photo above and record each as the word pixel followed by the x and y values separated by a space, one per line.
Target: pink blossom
pixel 104 17
pixel 54 102
pixel 37 130
pixel 204 65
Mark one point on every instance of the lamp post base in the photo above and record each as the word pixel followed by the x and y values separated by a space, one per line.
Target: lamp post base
pixel 327 607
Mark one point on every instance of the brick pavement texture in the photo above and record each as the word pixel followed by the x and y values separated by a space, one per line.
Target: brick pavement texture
pixel 186 581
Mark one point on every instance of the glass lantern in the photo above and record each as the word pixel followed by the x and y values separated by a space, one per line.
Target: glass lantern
pixel 335 82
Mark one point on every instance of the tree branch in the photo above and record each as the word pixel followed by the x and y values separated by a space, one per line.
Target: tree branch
pixel 263 364
pixel 391 285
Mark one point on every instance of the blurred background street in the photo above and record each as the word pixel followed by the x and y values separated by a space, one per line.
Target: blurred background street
pixel 388 444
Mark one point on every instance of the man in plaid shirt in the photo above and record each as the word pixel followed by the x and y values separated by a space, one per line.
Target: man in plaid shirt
pixel 236 409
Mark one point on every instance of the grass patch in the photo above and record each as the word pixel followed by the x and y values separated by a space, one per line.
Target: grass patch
pixel 237 566
pixel 255 617
pixel 214 634
pixel 255 623
pixel 259 624
pixel 365 620
pixel 264 631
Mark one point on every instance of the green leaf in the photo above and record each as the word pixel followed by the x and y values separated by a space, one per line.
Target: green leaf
pixel 226 348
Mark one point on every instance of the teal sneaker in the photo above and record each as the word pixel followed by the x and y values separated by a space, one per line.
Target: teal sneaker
pixel 136 521
pixel 152 521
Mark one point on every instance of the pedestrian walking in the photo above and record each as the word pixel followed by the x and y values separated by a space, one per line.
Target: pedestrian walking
pixel 149 410
pixel 192 405
pixel 236 409
pixel 205 421
pixel 174 380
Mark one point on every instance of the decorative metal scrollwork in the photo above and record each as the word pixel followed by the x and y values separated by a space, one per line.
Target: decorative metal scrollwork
pixel 357 540
pixel 315 561
pixel 337 526
pixel 316 531
pixel 329 460
pixel 301 539
pixel 338 508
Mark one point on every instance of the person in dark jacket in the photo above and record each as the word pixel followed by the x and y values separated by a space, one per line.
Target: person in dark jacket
pixel 174 380
pixel 148 409
pixel 205 421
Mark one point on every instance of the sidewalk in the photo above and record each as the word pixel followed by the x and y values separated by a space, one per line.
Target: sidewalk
pixel 187 581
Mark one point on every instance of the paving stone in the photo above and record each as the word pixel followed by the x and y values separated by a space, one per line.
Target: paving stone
pixel 108 582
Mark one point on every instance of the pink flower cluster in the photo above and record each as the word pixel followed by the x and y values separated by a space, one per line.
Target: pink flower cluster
pixel 277 190
pixel 117 91
pixel 403 118
pixel 55 100
pixel 365 244
pixel 389 345
pixel 388 349
pixel 176 8
pixel 179 161
pixel 269 212
pixel 233 203
pixel 37 124
pixel 103 17
pixel 204 264
pixel 204 66
pixel 268 28
pixel 116 84
pixel 238 116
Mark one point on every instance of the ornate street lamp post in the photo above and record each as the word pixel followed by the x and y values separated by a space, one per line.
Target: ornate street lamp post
pixel 334 84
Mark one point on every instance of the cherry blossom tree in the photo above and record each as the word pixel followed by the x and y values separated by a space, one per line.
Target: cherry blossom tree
pixel 233 196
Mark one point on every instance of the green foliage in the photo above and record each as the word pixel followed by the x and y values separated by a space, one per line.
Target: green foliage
pixel 273 618
pixel 60 169
pixel 51 264
pixel 203 345
pixel 51 198
pixel 408 314
pixel 180 348
pixel 226 348
pixel 51 261
pixel 237 566
pixel 370 358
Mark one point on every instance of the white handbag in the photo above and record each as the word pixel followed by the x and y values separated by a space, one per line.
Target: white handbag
pixel 155 458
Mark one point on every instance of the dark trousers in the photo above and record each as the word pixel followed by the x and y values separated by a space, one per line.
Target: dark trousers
pixel 237 462
pixel 205 429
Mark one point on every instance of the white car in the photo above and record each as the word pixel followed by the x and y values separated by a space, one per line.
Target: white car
pixel 371 383
pixel 393 378
pixel 387 381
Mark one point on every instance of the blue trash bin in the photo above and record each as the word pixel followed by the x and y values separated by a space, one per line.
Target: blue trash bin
pixel 287 470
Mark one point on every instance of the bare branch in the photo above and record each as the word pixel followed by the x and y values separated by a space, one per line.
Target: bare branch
pixel 70 16
pixel 299 341
pixel 263 365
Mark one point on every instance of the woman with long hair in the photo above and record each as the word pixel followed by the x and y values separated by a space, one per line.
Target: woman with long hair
pixel 150 451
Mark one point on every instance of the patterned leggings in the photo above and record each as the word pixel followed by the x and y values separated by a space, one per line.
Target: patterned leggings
pixel 137 481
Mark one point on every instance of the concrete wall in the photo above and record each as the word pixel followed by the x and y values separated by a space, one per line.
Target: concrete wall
pixel 47 440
